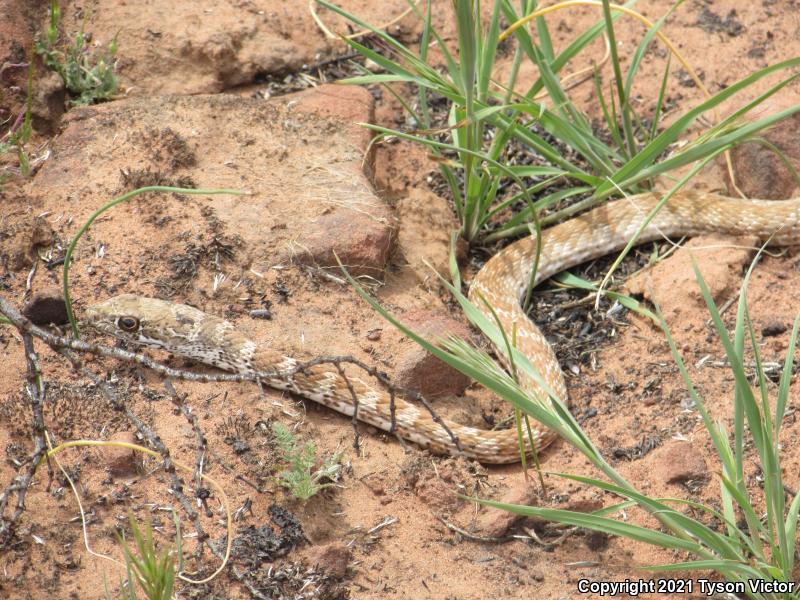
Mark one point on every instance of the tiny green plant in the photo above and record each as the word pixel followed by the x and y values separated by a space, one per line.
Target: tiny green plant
pixel 14 142
pixel 88 76
pixel 303 476
pixel 154 574
pixel 16 137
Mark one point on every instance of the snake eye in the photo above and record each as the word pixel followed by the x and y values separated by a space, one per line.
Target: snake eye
pixel 128 323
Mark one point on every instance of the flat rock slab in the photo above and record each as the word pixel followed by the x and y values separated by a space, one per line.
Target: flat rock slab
pixel 308 195
pixel 205 46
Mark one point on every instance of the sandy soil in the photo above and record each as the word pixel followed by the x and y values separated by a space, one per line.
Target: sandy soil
pixel 204 107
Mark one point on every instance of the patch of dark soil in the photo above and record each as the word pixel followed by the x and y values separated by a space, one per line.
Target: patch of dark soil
pixel 185 265
pixel 131 179
pixel 252 444
pixel 297 580
pixel 325 71
pixel 256 545
pixel 644 446
pixel 169 149
pixel 711 22
pixel 74 410
pixel 572 323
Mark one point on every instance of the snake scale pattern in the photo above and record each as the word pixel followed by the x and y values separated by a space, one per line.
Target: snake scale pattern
pixel 191 333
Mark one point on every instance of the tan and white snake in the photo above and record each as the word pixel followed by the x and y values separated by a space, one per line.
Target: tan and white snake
pixel 189 332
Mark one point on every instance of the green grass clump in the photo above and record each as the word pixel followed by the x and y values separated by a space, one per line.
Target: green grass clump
pixel 88 76
pixel 154 574
pixel 303 478
pixel 487 118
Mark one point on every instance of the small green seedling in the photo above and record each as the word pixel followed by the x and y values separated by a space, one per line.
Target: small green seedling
pixel 301 478
pixel 155 575
pixel 88 76
pixel 15 139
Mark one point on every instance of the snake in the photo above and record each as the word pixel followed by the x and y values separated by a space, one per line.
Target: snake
pixel 496 290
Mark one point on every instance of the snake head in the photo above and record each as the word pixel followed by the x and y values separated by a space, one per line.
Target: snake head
pixel 143 321
pixel 178 328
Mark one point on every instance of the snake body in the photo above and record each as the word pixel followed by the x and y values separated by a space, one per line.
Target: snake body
pixel 189 332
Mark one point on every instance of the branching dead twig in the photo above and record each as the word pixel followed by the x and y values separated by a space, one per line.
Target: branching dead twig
pixel 20 484
pixel 154 441
pixel 201 492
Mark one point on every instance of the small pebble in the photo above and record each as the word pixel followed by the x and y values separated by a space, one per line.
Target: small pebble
pixel 261 313
pixel 772 329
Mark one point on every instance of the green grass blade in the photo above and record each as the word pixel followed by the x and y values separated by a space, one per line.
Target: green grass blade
pixel 488 53
pixel 467 47
pixel 791 531
pixel 634 239
pixel 596 523
pixel 709 148
pixel 424 43
pixel 662 94
pixel 398 47
pixel 737 570
pixel 786 379
pixel 567 54
pixel 624 105
pixel 545 43
pixel 641 49
pixel 611 122
pixel 633 170
pixel 679 523
pixel 750 406
pixel 377 78
pixel 719 440
pixel 518 223
pixel 568 279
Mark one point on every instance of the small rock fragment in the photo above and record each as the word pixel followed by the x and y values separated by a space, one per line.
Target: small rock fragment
pixel 437 494
pixel 333 558
pixel 495 522
pixel 759 172
pixel 419 370
pixel 672 282
pixel 261 313
pixel 423 236
pixel 679 463
pixel 360 237
pixel 120 461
